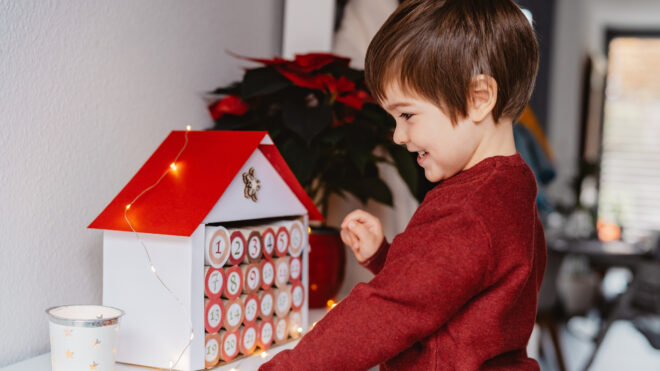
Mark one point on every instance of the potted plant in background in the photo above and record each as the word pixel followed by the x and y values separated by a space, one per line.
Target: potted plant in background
pixel 327 127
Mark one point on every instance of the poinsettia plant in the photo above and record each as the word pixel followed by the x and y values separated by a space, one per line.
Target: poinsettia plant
pixel 322 119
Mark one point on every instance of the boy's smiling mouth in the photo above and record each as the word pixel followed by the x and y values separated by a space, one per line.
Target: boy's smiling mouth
pixel 421 156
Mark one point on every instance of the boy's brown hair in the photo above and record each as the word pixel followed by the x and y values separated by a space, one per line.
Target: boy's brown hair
pixel 435 47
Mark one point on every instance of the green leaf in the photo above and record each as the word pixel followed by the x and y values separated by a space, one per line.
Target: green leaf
pixel 333 137
pixel 233 89
pixel 302 161
pixel 263 80
pixel 360 159
pixel 406 166
pixel 376 189
pixel 305 121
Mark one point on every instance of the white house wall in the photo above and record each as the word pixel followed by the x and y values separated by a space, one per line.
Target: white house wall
pixel 155 326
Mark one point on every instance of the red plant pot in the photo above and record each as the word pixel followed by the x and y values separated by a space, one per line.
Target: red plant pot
pixel 327 261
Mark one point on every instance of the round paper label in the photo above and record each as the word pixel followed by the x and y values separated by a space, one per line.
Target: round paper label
pixel 282 244
pixel 214 316
pixel 296 238
pixel 218 252
pixel 297 296
pixel 233 283
pixel 249 338
pixel 295 324
pixel 267 273
pixel 280 330
pixel 254 245
pixel 296 269
pixel 266 305
pixel 234 315
pixel 237 248
pixel 253 278
pixel 212 348
pixel 250 309
pixel 215 282
pixel 282 272
pixel 266 333
pixel 283 302
pixel 231 345
pixel 269 241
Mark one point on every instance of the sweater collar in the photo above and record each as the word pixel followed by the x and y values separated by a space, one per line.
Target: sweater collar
pixel 481 169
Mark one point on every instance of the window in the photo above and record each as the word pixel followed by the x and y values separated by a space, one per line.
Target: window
pixel 630 154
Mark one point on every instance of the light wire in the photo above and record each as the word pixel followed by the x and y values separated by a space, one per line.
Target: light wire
pixel 146 250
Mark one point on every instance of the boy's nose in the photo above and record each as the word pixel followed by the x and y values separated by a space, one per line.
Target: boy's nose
pixel 399 137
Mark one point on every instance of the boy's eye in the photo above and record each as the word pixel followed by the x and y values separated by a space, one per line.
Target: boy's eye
pixel 406 115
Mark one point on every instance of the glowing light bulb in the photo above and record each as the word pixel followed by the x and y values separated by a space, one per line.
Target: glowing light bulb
pixel 299 329
pixel 128 206
pixel 330 303
pixel 173 166
pixel 264 354
pixel 309 230
pixel 188 128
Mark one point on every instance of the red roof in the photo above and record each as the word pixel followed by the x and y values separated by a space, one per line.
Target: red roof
pixel 178 204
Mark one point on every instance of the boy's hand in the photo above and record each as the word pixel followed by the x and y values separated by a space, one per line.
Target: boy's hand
pixel 363 233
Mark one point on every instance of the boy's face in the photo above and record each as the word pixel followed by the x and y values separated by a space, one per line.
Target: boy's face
pixel 443 149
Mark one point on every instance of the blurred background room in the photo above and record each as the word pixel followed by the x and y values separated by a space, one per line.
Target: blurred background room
pixel 89 89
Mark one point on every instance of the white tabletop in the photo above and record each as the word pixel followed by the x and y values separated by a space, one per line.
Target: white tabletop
pixel 42 362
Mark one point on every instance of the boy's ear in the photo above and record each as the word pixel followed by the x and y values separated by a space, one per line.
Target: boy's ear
pixel 482 97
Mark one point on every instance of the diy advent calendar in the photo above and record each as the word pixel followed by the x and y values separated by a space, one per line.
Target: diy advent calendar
pixel 225 228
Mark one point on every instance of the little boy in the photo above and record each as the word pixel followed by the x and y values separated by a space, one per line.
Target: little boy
pixel 457 290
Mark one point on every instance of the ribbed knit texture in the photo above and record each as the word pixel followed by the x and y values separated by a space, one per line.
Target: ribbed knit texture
pixel 457 290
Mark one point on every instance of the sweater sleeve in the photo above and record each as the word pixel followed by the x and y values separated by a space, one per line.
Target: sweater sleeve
pixel 376 262
pixel 431 271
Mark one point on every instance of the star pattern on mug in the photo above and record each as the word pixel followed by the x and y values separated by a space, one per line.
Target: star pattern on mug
pixel 97 343
pixel 92 366
pixel 67 332
pixel 69 353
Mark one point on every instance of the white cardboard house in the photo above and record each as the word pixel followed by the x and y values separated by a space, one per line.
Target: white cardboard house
pixel 206 187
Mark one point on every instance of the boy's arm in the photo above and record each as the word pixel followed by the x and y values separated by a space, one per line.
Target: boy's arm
pixel 376 262
pixel 430 274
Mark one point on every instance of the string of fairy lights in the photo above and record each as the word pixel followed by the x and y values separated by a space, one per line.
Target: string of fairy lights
pixel 173 168
pixel 152 267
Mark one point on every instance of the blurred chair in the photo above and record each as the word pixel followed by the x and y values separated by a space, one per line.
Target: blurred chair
pixel 639 304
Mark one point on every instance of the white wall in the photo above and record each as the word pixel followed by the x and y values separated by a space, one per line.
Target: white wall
pixel 308 26
pixel 564 98
pixel 88 89
pixel 579 30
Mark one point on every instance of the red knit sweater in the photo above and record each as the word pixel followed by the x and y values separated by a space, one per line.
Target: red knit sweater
pixel 457 290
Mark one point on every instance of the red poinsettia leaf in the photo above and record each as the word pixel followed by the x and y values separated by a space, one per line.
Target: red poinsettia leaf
pixel 231 104
pixel 313 61
pixel 344 85
pixel 328 81
pixel 301 79
pixel 269 62
pixel 365 96
pixel 351 100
